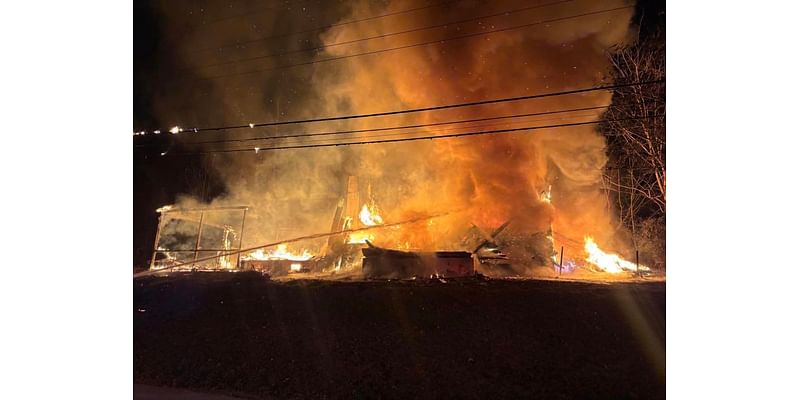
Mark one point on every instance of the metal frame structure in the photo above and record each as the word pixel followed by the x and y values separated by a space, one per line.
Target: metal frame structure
pixel 196 250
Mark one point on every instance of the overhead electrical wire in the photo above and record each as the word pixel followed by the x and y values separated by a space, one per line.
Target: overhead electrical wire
pixel 426 43
pixel 507 124
pixel 352 131
pixel 445 129
pixel 177 130
pixel 381 36
pixel 432 124
pixel 321 28
pixel 251 12
pixel 452 135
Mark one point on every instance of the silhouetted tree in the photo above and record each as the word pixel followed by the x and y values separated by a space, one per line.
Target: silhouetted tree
pixel 635 131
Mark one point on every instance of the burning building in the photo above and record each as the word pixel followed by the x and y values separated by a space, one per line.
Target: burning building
pixel 547 182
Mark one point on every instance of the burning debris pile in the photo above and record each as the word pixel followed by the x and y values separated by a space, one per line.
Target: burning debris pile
pixel 506 250
pixel 277 262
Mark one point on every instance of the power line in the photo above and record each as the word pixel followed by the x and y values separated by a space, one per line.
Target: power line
pixel 385 35
pixel 424 109
pixel 453 135
pixel 397 127
pixel 248 13
pixel 324 27
pixel 446 129
pixel 412 45
pixel 330 133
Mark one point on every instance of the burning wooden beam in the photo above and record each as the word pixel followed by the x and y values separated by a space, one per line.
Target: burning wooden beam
pixel 491 237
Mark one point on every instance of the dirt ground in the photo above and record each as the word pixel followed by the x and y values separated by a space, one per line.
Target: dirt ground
pixel 242 335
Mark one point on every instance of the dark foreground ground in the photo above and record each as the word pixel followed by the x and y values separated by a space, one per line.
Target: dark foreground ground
pixel 240 334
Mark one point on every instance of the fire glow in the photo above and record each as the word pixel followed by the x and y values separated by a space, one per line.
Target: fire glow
pixel 360 237
pixel 369 217
pixel 280 253
pixel 611 263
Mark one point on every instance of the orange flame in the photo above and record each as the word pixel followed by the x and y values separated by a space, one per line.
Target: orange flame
pixel 369 216
pixel 281 253
pixel 612 263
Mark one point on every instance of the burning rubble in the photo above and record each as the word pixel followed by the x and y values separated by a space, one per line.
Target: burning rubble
pixel 506 250
pixel 277 262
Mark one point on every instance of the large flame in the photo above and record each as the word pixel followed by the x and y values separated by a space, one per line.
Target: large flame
pixel 280 253
pixel 608 262
pixel 369 216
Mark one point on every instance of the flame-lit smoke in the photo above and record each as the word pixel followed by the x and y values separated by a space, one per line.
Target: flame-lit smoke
pixel 490 179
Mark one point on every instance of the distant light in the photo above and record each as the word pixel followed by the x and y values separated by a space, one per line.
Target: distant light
pixel 163 153
pixel 195 130
pixel 157 132
pixel 257 149
pixel 252 124
pixel 175 129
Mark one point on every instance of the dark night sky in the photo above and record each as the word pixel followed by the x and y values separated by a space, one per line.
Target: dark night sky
pixel 159 29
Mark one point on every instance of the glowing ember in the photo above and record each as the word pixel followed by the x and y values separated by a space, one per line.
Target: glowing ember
pixel 369 216
pixel 281 253
pixel 608 262
pixel 169 256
